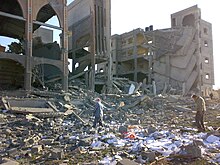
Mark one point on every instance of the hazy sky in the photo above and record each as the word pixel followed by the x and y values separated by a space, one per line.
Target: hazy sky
pixel 127 15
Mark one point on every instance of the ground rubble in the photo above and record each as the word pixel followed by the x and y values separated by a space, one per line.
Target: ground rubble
pixel 140 128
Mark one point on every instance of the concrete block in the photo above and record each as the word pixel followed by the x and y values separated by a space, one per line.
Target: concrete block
pixel 6 161
pixel 57 154
pixel 47 141
pixel 193 150
pixel 85 141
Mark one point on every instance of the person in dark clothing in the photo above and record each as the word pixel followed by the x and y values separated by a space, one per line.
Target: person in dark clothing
pixel 98 113
pixel 211 95
pixel 200 110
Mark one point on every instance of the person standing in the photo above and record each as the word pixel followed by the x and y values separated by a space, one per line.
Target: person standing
pixel 200 110
pixel 98 113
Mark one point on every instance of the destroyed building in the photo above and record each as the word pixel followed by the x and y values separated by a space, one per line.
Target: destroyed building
pixel 19 20
pixel 89 40
pixel 180 57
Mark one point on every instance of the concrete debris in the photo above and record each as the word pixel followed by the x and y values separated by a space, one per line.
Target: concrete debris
pixel 138 129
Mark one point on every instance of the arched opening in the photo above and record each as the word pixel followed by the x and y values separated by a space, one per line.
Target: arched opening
pixel 189 20
pixel 12 29
pixel 11 75
pixel 46 37
pixel 43 74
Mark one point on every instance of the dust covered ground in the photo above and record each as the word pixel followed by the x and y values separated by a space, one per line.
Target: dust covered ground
pixel 139 129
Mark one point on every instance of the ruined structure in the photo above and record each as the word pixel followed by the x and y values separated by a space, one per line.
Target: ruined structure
pixel 89 39
pixel 180 57
pixel 19 19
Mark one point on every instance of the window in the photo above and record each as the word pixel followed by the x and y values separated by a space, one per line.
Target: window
pixel 205 31
pixel 207 77
pixel 123 42
pixel 205 43
pixel 77 65
pixel 130 40
pixel 206 60
pixel 150 42
pixel 173 22
pixel 189 20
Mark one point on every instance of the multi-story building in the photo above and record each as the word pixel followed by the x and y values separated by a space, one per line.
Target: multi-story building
pixel 19 19
pixel 180 57
pixel 89 23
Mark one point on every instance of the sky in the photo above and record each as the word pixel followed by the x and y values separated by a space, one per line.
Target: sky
pixel 127 15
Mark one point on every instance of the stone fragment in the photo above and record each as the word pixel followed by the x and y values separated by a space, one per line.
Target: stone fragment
pixel 12 152
pixel 152 129
pixel 6 161
pixel 149 156
pixel 193 150
pixel 36 149
pixel 85 141
pixel 123 129
pixel 127 162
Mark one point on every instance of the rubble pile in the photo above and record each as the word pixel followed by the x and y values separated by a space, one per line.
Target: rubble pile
pixel 139 128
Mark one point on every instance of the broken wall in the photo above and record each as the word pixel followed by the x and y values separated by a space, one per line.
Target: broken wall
pixel 179 57
pixel 131 52
pixel 11 75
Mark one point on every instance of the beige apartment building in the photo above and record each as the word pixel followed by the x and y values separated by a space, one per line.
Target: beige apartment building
pixel 179 58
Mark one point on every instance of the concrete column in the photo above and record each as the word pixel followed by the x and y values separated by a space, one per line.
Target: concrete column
pixel 135 55
pixel 65 49
pixel 150 68
pixel 108 43
pixel 93 51
pixel 168 69
pixel 154 88
pixel 184 89
pixel 97 36
pixel 199 55
pixel 28 50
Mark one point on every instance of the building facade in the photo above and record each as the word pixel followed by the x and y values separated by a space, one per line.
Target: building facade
pixel 89 24
pixel 19 19
pixel 180 57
